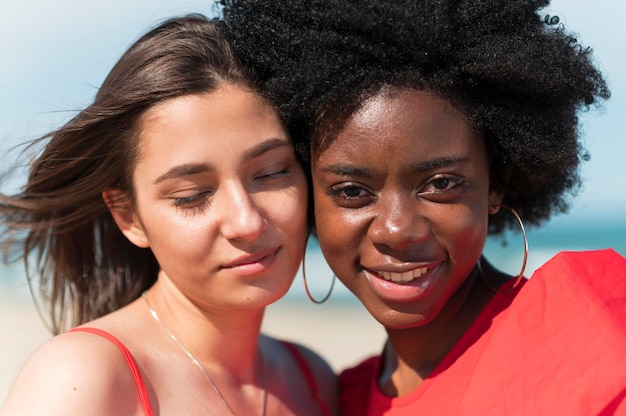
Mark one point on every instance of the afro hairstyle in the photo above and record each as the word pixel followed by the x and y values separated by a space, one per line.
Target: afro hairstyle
pixel 520 76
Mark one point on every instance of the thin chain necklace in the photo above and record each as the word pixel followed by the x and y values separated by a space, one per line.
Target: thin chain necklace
pixel 197 363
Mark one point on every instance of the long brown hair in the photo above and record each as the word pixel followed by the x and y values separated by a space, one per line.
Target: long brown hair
pixel 59 223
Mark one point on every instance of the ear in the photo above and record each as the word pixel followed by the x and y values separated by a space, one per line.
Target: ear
pixel 495 199
pixel 124 216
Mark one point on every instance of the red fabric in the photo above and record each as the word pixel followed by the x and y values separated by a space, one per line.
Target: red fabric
pixel 132 364
pixel 556 346
pixel 308 375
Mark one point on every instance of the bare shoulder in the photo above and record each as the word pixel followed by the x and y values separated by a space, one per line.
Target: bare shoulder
pixel 74 374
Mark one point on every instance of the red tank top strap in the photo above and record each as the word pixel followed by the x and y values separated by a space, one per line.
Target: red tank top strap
pixel 132 364
pixel 308 374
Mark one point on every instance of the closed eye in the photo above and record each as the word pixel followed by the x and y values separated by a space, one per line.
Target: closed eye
pixel 277 174
pixel 195 201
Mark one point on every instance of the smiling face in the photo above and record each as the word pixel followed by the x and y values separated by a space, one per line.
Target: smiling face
pixel 220 198
pixel 401 205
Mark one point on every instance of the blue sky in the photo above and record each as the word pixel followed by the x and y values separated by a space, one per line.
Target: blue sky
pixel 56 53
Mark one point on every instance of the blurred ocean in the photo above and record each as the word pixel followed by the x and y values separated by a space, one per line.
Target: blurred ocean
pixel 544 243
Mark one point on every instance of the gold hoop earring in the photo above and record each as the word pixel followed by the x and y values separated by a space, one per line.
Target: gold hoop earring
pixel 519 277
pixel 306 286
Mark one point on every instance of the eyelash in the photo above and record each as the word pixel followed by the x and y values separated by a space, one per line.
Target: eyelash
pixel 278 174
pixel 340 191
pixel 200 201
pixel 455 181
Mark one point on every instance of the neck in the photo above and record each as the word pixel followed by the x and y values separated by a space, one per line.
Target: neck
pixel 411 354
pixel 223 341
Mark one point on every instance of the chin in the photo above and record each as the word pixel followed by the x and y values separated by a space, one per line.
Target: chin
pixel 400 320
pixel 404 323
pixel 275 292
pixel 392 318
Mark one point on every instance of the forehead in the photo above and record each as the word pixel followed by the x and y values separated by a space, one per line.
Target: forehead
pixel 403 124
pixel 218 118
pixel 219 129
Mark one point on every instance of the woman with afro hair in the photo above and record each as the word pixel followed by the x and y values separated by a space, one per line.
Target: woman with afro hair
pixel 428 125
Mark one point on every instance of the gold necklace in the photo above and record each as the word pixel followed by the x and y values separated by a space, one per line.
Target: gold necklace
pixel 197 363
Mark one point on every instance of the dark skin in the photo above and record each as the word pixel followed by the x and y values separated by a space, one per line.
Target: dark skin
pixel 402 200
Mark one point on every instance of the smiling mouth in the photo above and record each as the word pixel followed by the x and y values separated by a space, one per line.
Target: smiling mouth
pixel 403 277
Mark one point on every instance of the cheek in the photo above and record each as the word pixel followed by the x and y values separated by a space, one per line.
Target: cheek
pixel 296 222
pixel 339 236
pixel 171 232
pixel 463 232
pixel 325 219
pixel 190 239
pixel 288 210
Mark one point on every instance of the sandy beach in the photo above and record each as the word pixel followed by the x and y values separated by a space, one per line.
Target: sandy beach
pixel 340 330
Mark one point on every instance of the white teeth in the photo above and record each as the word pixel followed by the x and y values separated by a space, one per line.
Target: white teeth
pixel 404 277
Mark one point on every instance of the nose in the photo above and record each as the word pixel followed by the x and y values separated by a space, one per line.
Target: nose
pixel 240 217
pixel 398 223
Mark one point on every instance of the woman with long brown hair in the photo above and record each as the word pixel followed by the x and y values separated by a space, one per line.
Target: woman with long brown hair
pixel 162 220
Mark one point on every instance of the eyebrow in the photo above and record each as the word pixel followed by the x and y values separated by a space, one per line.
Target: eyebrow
pixel 196 168
pixel 264 147
pixel 184 170
pixel 368 173
pixel 439 163
pixel 349 170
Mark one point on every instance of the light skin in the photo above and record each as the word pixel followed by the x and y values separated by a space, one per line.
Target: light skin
pixel 402 199
pixel 225 217
pixel 220 199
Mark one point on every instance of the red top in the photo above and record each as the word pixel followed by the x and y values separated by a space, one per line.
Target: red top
pixel 555 346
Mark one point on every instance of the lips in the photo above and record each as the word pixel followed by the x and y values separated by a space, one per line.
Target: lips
pixel 250 259
pixel 406 285
pixel 402 277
